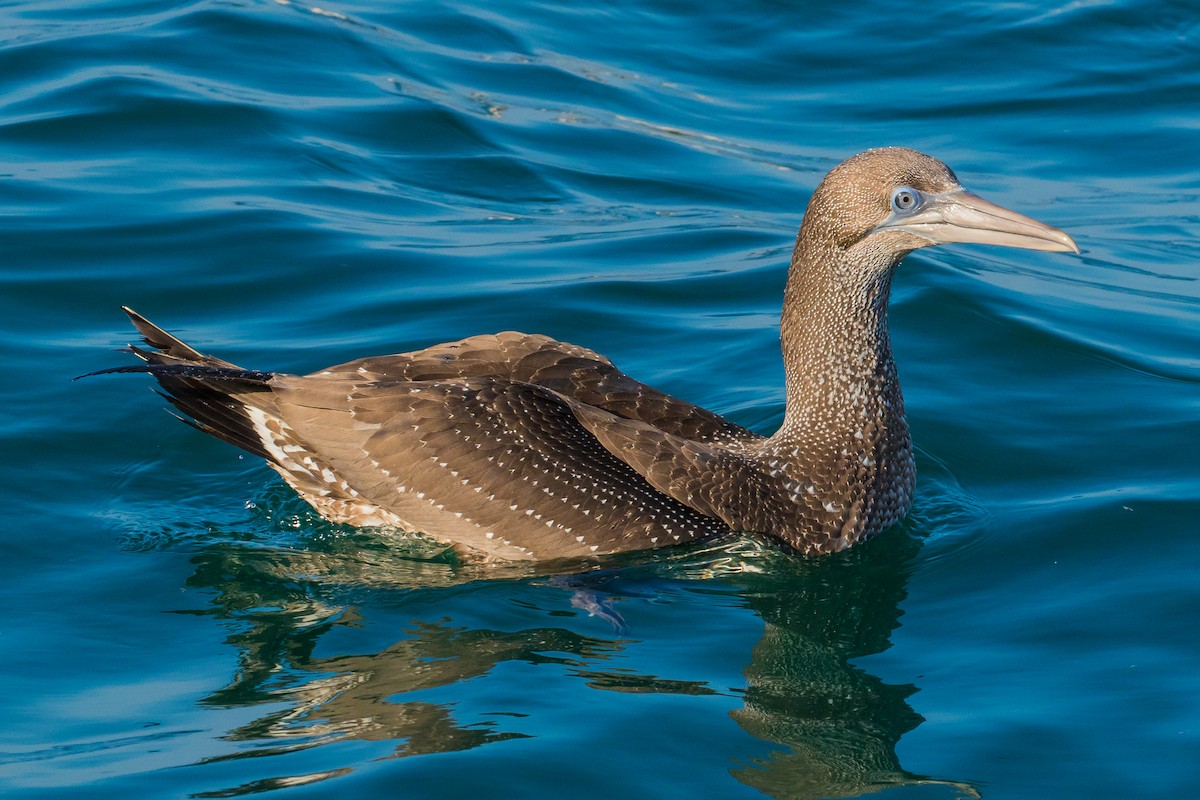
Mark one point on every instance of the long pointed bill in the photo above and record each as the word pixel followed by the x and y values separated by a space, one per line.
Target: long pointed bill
pixel 960 216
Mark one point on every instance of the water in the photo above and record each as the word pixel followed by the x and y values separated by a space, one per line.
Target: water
pixel 290 186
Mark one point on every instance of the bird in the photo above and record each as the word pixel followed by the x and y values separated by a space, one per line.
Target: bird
pixel 514 446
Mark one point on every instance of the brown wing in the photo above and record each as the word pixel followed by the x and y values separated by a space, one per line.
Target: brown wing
pixel 748 493
pixel 572 371
pixel 500 466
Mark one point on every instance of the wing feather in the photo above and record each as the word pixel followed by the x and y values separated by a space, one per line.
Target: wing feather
pixel 569 370
pixel 501 466
pixel 746 492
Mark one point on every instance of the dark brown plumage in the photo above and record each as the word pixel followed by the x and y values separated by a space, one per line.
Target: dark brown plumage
pixel 523 447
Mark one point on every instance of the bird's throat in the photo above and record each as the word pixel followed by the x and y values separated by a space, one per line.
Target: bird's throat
pixel 837 353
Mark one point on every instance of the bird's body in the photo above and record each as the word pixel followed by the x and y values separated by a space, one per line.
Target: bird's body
pixel 522 447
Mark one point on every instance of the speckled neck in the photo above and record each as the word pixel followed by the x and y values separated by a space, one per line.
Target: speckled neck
pixel 834 331
pixel 844 431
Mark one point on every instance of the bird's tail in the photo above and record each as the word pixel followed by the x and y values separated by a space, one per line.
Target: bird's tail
pixel 216 396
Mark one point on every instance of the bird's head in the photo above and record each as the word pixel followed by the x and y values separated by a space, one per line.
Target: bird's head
pixel 887 202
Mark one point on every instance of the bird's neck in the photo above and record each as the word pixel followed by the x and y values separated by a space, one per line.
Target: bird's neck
pixel 843 453
pixel 841 379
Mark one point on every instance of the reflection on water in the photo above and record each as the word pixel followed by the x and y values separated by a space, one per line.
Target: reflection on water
pixel 836 726
pixel 349 696
pixel 839 725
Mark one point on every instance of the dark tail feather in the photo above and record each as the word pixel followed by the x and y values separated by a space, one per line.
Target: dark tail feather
pixel 215 394
pixel 201 372
pixel 217 414
pixel 167 344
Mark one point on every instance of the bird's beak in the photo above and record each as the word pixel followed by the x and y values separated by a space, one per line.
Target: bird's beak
pixel 959 216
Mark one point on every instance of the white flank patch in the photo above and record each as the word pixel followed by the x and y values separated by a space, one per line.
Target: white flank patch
pixel 275 447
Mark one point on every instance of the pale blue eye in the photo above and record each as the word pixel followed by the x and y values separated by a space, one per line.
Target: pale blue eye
pixel 905 199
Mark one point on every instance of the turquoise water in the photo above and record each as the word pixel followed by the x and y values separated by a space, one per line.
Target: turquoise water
pixel 290 186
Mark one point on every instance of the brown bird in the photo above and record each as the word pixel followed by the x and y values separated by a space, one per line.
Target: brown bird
pixel 518 446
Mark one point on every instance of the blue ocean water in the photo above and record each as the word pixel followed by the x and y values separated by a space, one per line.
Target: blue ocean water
pixel 289 186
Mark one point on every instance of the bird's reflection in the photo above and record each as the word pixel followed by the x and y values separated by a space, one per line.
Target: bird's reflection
pixel 838 725
pixel 832 727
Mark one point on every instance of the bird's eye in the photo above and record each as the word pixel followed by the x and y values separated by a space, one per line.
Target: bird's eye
pixel 905 199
